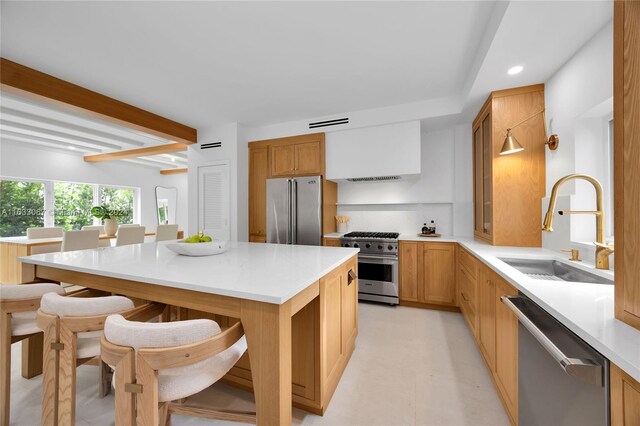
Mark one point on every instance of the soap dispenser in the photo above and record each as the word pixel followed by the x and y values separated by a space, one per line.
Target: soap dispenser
pixel 425 229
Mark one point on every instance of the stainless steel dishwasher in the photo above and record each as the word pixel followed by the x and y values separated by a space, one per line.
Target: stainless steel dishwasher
pixel 562 380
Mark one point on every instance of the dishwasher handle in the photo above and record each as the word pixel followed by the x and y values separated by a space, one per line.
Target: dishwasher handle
pixel 586 370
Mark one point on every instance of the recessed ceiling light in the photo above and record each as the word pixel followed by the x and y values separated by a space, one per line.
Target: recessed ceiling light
pixel 72 148
pixel 515 70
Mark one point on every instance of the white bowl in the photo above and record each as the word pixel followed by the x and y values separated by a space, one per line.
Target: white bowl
pixel 198 249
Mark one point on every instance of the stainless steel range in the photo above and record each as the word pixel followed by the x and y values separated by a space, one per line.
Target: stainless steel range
pixel 377 265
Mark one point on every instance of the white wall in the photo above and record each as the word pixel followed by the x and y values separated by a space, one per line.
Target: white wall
pixel 576 99
pixel 442 192
pixel 25 160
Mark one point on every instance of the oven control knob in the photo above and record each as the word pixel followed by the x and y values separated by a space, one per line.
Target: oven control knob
pixel 368 245
pixel 389 247
pixel 380 247
pixel 356 245
pixel 346 244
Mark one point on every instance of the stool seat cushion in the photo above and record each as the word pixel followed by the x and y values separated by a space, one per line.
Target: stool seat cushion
pixel 23 323
pixel 180 382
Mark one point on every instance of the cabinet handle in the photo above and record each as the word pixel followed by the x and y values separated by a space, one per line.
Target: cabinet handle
pixel 351 277
pixel 463 296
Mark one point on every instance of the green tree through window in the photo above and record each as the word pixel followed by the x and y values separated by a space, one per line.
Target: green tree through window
pixel 119 199
pixel 72 205
pixel 21 207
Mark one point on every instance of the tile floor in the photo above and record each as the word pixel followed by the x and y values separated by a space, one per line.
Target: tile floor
pixel 410 367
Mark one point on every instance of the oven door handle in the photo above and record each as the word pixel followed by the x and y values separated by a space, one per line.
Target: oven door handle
pixel 369 257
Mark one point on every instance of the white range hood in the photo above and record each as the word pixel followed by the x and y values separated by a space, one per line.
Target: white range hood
pixel 385 152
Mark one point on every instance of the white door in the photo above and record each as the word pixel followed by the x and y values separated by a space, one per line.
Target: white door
pixel 213 201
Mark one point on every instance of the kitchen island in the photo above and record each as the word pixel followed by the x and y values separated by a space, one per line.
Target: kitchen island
pixel 297 305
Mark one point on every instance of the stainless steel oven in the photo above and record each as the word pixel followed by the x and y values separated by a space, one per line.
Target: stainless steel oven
pixel 378 278
pixel 377 265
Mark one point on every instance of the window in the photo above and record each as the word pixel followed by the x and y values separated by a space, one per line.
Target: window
pixel 119 199
pixel 72 205
pixel 27 204
pixel 21 206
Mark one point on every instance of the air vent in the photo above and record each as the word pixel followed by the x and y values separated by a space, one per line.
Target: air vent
pixel 211 145
pixel 328 123
pixel 374 179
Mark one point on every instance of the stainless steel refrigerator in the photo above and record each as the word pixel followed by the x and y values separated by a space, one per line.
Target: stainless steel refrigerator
pixel 294 211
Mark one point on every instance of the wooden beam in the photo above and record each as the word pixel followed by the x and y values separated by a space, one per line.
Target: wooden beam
pixel 30 83
pixel 138 152
pixel 174 171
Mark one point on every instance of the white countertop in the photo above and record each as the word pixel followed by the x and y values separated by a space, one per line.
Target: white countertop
pixel 585 309
pixel 271 273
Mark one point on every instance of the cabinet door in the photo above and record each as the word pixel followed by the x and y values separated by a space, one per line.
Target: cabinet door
pixel 477 180
pixel 625 398
pixel 258 174
pixel 408 260
pixel 487 316
pixel 437 263
pixel 467 297
pixel 331 320
pixel 332 242
pixel 282 160
pixel 487 160
pixel 307 159
pixel 349 305
pixel 506 348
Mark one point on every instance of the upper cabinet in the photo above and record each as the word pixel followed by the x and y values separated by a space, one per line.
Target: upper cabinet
pixel 508 189
pixel 626 111
pixel 285 158
pixel 296 159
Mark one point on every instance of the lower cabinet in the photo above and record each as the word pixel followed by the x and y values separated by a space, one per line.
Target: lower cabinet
pixel 331 242
pixel 427 273
pixel 495 329
pixel 625 398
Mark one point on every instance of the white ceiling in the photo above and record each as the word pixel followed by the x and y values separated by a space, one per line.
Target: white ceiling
pixel 207 63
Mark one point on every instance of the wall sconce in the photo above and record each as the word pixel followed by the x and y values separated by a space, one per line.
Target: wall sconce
pixel 511 144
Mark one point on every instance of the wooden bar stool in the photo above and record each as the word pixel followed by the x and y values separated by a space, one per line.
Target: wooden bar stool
pixel 72 329
pixel 156 363
pixel 18 306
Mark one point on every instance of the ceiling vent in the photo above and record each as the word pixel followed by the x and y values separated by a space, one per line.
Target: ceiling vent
pixel 328 123
pixel 374 179
pixel 211 145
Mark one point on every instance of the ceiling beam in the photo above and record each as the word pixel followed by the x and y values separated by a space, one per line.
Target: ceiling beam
pixel 133 153
pixel 174 171
pixel 27 129
pixel 24 81
pixel 5 111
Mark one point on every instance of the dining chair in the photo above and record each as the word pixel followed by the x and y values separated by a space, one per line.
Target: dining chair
pixel 128 225
pixel 106 242
pixel 18 306
pixel 72 328
pixel 166 232
pixel 130 235
pixel 157 363
pixel 48 232
pixel 80 240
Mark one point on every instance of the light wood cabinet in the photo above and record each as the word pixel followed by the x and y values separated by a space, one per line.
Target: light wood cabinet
pixel 296 159
pixel 625 398
pixel 506 186
pixel 467 270
pixel 487 316
pixel 436 273
pixel 258 173
pixel 287 157
pixel 427 274
pixel 408 271
pixel 506 354
pixel 626 110
pixel 331 242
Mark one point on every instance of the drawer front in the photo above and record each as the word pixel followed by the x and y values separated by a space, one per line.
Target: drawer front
pixel 469 262
pixel 467 286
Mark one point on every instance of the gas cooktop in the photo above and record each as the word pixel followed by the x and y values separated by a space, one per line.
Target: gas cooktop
pixel 372 243
pixel 368 235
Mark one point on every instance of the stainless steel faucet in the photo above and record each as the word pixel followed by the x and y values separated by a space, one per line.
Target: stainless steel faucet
pixel 603 250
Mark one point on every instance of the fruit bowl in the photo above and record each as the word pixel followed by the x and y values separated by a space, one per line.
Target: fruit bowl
pixel 198 249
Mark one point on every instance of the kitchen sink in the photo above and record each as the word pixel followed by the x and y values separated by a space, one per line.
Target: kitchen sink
pixel 553 270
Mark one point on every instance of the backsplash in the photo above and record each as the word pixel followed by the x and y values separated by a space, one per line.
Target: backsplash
pixel 398 218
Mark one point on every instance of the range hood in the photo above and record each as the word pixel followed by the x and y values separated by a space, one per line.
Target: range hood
pixel 378 153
